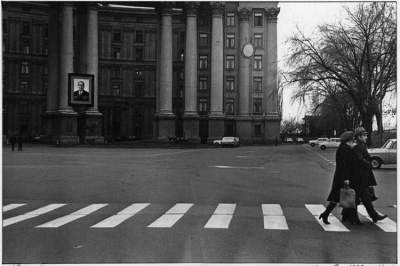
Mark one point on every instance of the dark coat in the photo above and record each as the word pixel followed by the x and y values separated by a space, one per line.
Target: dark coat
pixel 343 171
pixel 363 176
pixel 83 97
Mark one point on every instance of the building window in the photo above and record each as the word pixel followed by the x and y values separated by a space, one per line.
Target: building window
pixel 26 28
pixel 257 84
pixel 139 89
pixel 257 130
pixel 203 39
pixel 257 105
pixel 203 62
pixel 25 68
pixel 116 52
pixel 203 84
pixel 230 83
pixel 258 40
pixel 258 19
pixel 139 36
pixel 257 62
pixel 117 36
pixel 139 75
pixel 5 28
pixel 116 73
pixel 230 19
pixel 230 62
pixel 116 91
pixel 203 104
pixel 229 106
pixel 26 47
pixel 230 40
pixel 45 31
pixel 24 85
pixel 139 54
pixel 45 70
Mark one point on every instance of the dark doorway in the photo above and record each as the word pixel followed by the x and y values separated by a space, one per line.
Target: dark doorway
pixel 230 128
pixel 203 130
pixel 81 129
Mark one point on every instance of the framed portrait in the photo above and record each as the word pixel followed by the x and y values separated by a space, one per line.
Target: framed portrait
pixel 81 89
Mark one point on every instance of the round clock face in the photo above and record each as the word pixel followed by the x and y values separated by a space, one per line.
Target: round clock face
pixel 248 50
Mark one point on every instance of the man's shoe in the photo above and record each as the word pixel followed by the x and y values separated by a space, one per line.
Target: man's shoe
pixel 379 218
pixel 324 218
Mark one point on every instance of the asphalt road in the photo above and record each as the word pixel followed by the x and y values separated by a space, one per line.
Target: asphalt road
pixel 184 205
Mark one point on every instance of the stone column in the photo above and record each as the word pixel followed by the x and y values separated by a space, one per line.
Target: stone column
pixel 93 118
pixel 191 117
pixel 50 116
pixel 67 118
pixel 216 118
pixel 243 120
pixel 272 118
pixel 166 118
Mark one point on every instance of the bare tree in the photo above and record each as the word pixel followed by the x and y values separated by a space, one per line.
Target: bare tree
pixel 356 57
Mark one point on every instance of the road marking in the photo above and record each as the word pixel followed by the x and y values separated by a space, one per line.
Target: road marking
pixel 242 156
pixel 121 216
pixel 171 216
pixel 222 216
pixel 31 214
pixel 334 226
pixel 12 206
pixel 319 155
pixel 236 167
pixel 73 216
pixel 386 224
pixel 273 217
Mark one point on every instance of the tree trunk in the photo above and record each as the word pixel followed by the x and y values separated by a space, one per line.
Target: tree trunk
pixel 379 120
pixel 367 118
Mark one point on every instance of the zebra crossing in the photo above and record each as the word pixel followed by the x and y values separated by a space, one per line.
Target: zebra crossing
pixel 274 217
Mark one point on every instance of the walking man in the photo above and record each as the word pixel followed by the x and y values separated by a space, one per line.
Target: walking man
pixel 363 177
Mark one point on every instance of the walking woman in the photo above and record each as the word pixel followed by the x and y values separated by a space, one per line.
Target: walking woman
pixel 363 178
pixel 343 171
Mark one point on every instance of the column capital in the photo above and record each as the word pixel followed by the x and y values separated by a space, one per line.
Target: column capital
pixel 217 8
pixel 165 9
pixel 272 14
pixel 244 14
pixel 92 6
pixel 191 8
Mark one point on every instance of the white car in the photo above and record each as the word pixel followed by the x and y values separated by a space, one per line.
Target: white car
pixel 384 155
pixel 289 140
pixel 331 143
pixel 317 141
pixel 228 141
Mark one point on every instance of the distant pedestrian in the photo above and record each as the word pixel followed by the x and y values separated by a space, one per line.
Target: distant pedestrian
pixel 343 171
pixel 19 141
pixel 13 140
pixel 364 179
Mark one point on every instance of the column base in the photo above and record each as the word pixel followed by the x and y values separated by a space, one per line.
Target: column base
pixel 244 129
pixel 191 128
pixel 166 127
pixel 61 127
pixel 90 127
pixel 272 129
pixel 216 128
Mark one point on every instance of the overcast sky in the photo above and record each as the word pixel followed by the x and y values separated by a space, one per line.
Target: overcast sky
pixel 307 16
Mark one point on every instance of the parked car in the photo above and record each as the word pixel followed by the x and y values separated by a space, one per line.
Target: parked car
pixel 289 140
pixel 385 155
pixel 230 141
pixel 331 143
pixel 217 141
pixel 316 141
pixel 299 140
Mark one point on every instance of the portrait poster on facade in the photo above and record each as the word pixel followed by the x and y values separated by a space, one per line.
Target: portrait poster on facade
pixel 81 89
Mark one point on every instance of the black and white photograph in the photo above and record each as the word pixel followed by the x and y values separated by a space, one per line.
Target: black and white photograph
pixel 209 132
pixel 81 89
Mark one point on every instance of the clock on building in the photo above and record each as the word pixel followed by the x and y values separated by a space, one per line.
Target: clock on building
pixel 248 50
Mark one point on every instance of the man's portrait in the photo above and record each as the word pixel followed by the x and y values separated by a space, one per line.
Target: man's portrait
pixel 81 89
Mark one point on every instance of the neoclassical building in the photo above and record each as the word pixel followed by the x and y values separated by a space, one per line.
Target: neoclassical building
pixel 198 70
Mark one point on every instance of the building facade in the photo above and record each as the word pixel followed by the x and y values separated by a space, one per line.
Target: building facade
pixel 160 70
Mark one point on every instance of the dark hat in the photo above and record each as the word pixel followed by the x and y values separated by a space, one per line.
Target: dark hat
pixel 360 131
pixel 346 136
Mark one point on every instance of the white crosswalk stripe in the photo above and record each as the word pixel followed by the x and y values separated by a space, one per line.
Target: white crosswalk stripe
pixel 334 226
pixel 171 216
pixel 273 217
pixel 73 216
pixel 12 206
pixel 222 216
pixel 121 216
pixel 31 214
pixel 386 224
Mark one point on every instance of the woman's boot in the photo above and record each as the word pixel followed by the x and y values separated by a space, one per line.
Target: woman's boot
pixel 328 210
